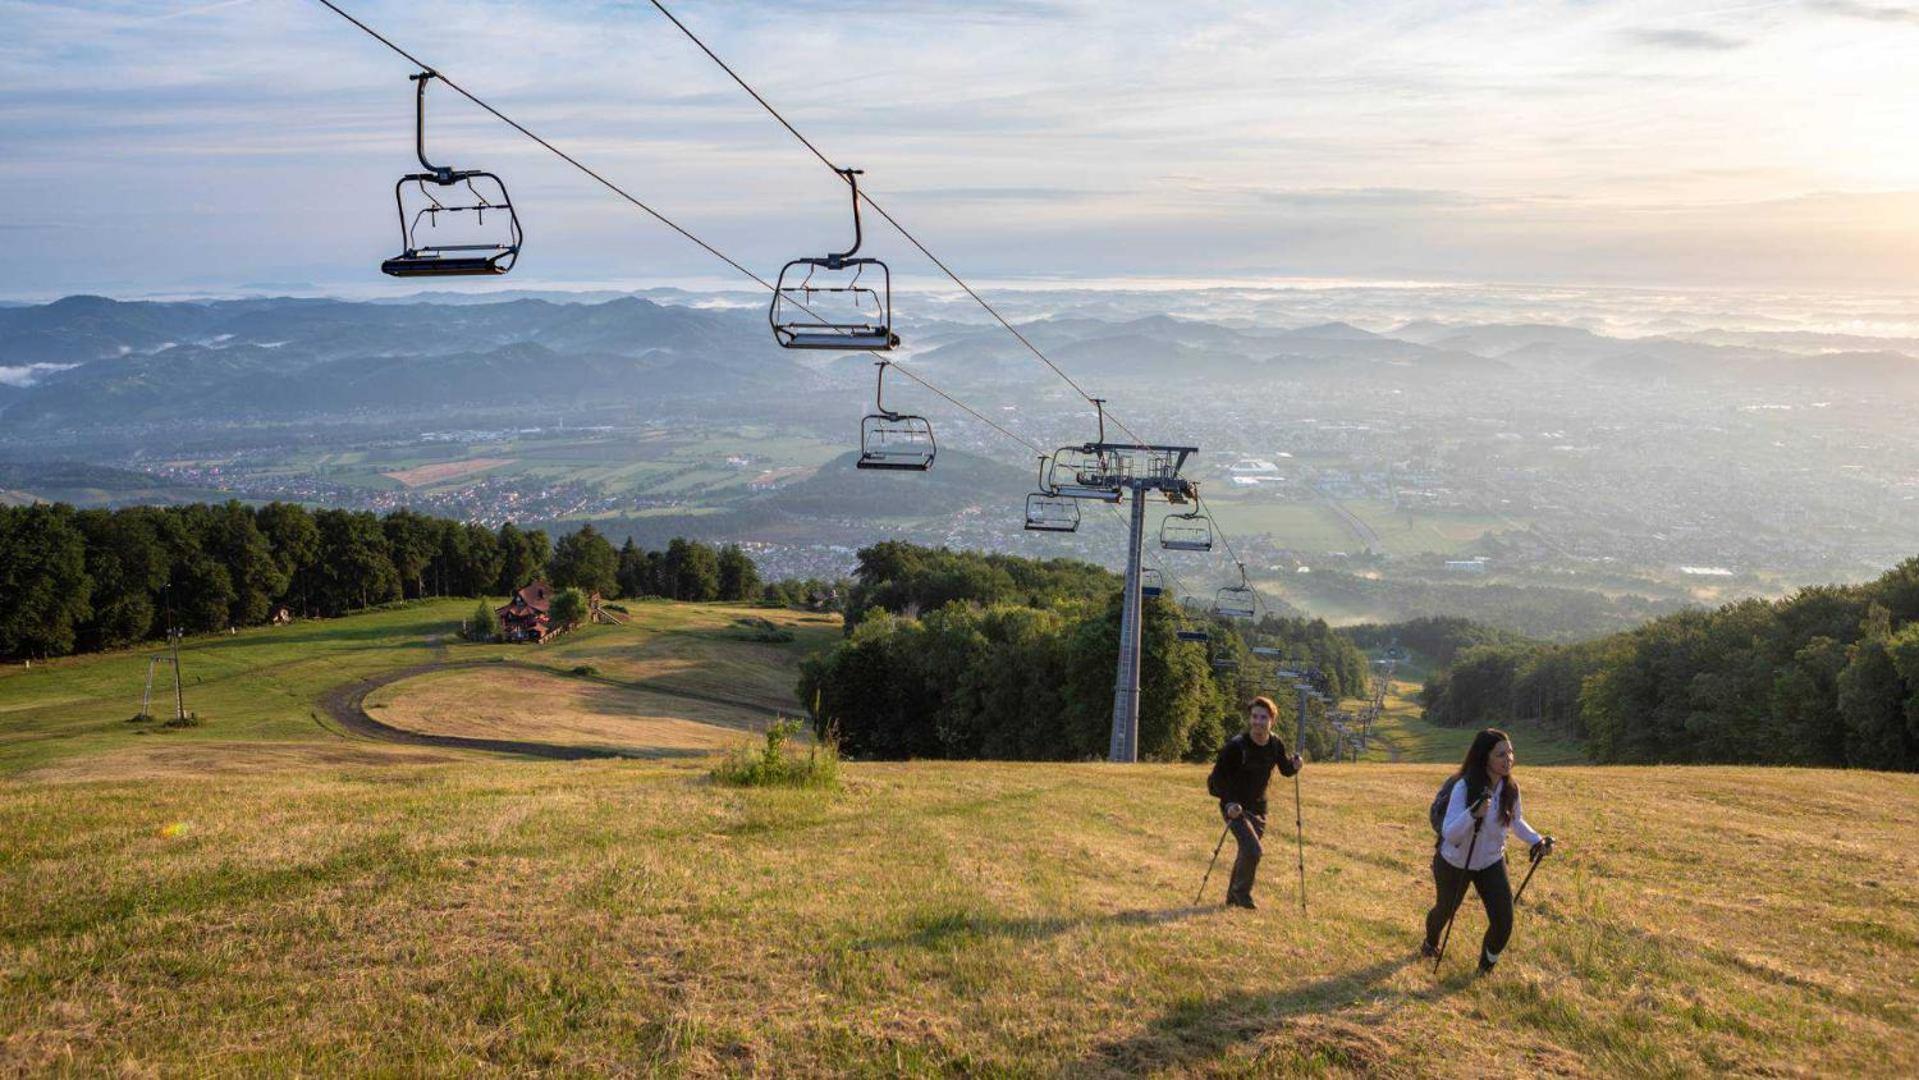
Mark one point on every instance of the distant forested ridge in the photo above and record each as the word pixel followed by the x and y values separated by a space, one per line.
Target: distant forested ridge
pixel 86 580
pixel 962 655
pixel 1828 676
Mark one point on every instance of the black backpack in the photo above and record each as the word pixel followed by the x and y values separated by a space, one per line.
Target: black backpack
pixel 1436 816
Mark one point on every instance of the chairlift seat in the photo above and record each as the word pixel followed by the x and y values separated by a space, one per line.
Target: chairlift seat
pixel 1234 602
pixel 896 441
pixel 1191 531
pixel 414 264
pixel 863 338
pixel 1051 513
pixel 1192 635
pixel 440 189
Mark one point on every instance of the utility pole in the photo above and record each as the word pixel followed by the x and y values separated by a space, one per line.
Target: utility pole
pixel 179 693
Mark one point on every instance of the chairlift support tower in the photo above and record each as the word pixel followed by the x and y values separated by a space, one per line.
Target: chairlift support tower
pixel 1134 469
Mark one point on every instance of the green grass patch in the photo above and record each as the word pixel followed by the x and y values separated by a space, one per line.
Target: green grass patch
pixel 775 763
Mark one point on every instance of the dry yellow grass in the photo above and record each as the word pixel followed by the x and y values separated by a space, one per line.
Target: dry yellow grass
pixel 627 917
pixel 519 703
pixel 161 759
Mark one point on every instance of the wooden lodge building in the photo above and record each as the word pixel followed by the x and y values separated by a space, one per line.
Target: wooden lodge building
pixel 524 618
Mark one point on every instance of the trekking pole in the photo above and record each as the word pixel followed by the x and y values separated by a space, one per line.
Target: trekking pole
pixel 1538 858
pixel 1299 818
pixel 1465 879
pixel 1215 862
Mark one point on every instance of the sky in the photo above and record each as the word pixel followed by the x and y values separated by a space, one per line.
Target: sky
pixel 245 145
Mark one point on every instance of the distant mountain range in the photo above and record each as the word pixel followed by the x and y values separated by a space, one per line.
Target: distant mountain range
pixel 89 361
pixel 114 362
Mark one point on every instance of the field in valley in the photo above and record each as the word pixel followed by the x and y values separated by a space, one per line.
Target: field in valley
pixel 273 892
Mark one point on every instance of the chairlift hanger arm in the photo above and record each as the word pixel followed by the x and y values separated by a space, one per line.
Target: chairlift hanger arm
pixel 441 173
pixel 840 259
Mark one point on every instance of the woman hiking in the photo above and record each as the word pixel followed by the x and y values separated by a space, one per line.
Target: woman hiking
pixel 1481 809
pixel 1238 781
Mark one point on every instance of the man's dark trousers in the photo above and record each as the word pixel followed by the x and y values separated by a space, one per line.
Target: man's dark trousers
pixel 1247 831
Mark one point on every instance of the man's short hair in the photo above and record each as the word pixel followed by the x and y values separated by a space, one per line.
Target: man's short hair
pixel 1264 702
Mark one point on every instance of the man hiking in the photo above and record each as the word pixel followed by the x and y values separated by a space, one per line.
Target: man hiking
pixel 1238 781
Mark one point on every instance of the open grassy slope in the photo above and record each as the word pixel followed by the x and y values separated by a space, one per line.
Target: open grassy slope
pixel 260 692
pixel 1400 735
pixel 629 916
pixel 268 894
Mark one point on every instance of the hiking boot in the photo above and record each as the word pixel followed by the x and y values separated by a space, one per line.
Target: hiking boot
pixel 1485 968
pixel 1242 902
pixel 1428 950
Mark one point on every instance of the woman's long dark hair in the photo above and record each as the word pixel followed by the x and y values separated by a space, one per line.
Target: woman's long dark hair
pixel 1479 778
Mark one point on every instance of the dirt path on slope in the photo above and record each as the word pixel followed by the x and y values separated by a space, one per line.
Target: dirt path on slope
pixel 345 705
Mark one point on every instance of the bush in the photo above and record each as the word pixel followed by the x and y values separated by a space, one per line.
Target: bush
pixel 585 670
pixel 482 625
pixel 568 609
pixel 772 765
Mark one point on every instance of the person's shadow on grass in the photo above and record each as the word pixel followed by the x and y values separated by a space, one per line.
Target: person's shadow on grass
pixel 1201 1030
pixel 939 929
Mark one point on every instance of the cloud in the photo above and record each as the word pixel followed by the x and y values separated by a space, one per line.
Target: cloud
pixel 1682 39
pixel 1870 12
pixel 25 375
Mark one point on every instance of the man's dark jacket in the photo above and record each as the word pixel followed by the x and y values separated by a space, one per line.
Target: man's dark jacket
pixel 1243 770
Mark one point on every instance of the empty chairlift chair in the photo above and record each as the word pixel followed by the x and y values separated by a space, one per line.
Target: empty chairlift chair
pixel 1150 582
pixel 1048 510
pixel 892 440
pixel 1192 635
pixel 464 244
pixel 835 301
pixel 1236 601
pixel 1191 531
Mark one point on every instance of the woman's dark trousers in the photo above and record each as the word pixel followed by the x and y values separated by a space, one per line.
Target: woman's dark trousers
pixel 1495 891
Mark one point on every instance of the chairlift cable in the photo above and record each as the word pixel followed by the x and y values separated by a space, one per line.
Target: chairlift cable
pixel 556 151
pixel 867 198
pixel 637 202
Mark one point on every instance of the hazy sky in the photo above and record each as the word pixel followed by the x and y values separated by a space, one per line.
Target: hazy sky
pixel 180 146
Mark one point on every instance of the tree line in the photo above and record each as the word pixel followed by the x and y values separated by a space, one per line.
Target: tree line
pixel 964 655
pixel 86 580
pixel 1828 676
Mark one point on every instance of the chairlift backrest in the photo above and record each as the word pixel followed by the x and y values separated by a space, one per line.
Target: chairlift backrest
pixel 836 301
pixel 421 198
